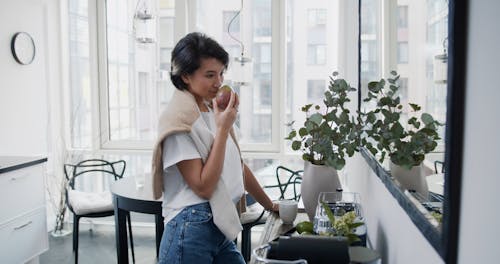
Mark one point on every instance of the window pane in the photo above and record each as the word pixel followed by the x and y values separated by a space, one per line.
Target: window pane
pixel 370 46
pixel 423 37
pixel 402 52
pixel 252 27
pixel 316 92
pixel 136 90
pixel 312 54
pixel 80 90
pixel 166 44
pixel 402 16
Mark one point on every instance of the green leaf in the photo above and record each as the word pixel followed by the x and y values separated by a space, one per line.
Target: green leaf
pixel 415 107
pixel 397 130
pixel 355 224
pixel 306 107
pixel 374 87
pixel 329 213
pixel 427 119
pixel 296 145
pixel 292 134
pixel 385 101
pixel 316 118
pixel 302 132
pixel 351 238
pixel 344 117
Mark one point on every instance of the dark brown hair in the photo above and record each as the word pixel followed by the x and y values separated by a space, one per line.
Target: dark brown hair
pixel 187 55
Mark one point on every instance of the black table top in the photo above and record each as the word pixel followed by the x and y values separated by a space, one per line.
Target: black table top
pixel 127 188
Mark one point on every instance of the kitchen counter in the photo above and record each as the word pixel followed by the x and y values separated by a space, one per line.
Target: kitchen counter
pixel 11 163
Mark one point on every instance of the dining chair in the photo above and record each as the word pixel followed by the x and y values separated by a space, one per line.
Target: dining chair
pixel 92 204
pixel 436 163
pixel 254 215
pixel 284 178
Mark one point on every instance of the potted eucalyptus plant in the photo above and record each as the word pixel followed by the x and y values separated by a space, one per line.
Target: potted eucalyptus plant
pixel 327 137
pixel 404 144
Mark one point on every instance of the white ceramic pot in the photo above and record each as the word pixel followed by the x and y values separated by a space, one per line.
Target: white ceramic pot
pixel 413 179
pixel 317 179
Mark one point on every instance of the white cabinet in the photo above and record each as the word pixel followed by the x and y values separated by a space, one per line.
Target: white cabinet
pixel 23 223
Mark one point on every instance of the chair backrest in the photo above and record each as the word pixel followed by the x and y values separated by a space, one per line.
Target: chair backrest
pixel 115 169
pixel 436 162
pixel 287 177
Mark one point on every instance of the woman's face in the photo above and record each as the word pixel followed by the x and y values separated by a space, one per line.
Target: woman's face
pixel 206 80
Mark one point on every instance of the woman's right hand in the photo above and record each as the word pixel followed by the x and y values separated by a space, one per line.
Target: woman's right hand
pixel 225 119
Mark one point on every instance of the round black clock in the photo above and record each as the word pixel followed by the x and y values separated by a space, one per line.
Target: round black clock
pixel 23 48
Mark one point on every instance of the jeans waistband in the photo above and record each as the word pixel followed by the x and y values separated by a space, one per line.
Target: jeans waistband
pixel 200 206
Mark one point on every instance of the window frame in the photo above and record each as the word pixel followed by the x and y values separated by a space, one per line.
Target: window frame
pixel 277 148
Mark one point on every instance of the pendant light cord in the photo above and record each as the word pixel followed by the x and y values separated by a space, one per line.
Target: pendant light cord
pixel 229 31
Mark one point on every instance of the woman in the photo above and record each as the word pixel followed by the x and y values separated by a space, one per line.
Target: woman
pixel 197 163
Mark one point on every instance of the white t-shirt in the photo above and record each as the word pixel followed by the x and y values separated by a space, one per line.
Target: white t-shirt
pixel 179 147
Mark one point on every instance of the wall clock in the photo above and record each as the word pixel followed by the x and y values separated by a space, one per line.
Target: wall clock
pixel 23 48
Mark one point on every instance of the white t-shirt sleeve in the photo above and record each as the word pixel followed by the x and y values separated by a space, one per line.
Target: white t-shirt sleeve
pixel 178 147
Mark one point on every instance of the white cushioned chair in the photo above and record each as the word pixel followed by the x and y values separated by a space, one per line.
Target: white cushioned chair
pixel 92 204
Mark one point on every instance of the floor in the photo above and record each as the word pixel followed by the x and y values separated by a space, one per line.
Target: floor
pixel 98 245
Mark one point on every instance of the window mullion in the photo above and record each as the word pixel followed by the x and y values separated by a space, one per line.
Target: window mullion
pixel 279 48
pixel 98 67
pixel 182 18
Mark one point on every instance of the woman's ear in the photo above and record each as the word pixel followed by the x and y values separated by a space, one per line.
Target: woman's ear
pixel 185 78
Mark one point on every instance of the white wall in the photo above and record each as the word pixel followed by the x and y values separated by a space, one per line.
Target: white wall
pixel 23 88
pixel 480 210
pixel 30 94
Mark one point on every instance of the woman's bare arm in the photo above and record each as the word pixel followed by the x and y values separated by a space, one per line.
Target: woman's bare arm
pixel 254 188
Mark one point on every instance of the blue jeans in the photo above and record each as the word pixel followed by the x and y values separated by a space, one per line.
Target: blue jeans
pixel 192 237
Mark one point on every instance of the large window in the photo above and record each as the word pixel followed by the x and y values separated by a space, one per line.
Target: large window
pixel 80 114
pixel 120 86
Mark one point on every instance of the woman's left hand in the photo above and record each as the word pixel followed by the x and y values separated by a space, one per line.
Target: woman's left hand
pixel 275 207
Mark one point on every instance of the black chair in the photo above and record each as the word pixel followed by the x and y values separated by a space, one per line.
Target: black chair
pixel 92 204
pixel 258 216
pixel 436 166
pixel 252 217
pixel 286 177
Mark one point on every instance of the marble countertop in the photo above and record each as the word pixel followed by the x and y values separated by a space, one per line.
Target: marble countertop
pixel 10 163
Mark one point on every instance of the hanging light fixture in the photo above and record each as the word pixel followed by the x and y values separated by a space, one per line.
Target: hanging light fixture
pixel 144 24
pixel 441 65
pixel 242 67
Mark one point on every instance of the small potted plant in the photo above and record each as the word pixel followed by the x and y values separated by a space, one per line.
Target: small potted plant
pixel 327 136
pixel 404 144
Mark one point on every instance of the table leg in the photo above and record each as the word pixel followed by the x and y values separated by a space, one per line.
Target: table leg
pixel 121 234
pixel 159 232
